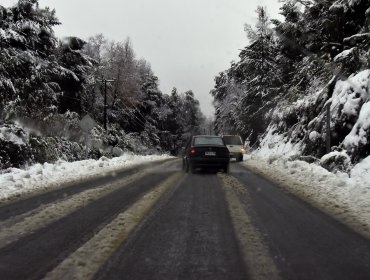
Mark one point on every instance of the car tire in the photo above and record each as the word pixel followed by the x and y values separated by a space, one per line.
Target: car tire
pixel 192 170
pixel 240 158
pixel 226 168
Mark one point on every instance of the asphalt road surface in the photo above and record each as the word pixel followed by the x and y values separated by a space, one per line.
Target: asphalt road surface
pixel 157 222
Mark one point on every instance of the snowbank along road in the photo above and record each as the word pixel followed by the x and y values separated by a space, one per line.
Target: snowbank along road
pixel 157 222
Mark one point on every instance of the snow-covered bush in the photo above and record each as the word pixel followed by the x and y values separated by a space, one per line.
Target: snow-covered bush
pixel 336 161
pixel 51 149
pixel 358 140
pixel 14 150
pixel 21 146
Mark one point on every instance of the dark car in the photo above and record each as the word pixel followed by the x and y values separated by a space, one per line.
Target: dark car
pixel 204 151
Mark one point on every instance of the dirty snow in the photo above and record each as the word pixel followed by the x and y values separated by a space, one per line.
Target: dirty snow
pixel 252 245
pixel 40 177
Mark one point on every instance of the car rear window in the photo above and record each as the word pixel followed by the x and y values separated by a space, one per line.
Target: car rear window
pixel 232 140
pixel 208 141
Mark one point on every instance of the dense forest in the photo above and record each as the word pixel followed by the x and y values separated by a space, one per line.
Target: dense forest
pixel 303 81
pixel 47 85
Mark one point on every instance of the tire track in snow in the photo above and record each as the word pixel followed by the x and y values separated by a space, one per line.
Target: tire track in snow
pixel 17 227
pixel 54 191
pixel 256 255
pixel 87 260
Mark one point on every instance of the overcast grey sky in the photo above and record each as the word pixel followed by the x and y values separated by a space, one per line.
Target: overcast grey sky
pixel 187 42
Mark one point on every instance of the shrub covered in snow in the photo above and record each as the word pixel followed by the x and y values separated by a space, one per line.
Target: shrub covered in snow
pixel 21 146
pixel 358 140
pixel 14 150
pixel 336 161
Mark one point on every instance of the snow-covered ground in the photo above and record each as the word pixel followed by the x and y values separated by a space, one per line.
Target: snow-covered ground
pixel 344 196
pixel 40 177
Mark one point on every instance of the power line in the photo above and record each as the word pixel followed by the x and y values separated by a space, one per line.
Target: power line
pixel 137 110
pixel 133 115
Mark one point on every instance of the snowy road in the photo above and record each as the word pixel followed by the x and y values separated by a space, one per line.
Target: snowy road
pixel 156 222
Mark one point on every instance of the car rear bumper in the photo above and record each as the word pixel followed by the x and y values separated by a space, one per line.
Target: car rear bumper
pixel 211 162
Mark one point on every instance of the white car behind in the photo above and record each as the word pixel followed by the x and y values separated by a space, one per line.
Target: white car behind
pixel 235 145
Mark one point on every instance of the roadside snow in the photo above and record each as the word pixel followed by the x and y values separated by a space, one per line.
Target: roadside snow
pixel 362 170
pixel 40 177
pixel 346 198
pixel 275 143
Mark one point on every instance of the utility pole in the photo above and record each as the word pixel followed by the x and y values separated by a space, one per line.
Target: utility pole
pixel 328 140
pixel 105 81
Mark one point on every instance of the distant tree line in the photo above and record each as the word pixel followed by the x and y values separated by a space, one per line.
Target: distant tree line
pixel 49 84
pixel 135 102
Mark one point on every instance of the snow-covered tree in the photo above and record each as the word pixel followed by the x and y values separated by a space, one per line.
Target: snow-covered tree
pixel 78 89
pixel 49 84
pixel 246 92
pixel 319 58
pixel 28 64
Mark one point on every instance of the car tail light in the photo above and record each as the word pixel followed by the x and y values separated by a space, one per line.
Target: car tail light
pixel 193 151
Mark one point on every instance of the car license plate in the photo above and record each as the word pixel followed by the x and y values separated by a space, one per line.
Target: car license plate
pixel 210 153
